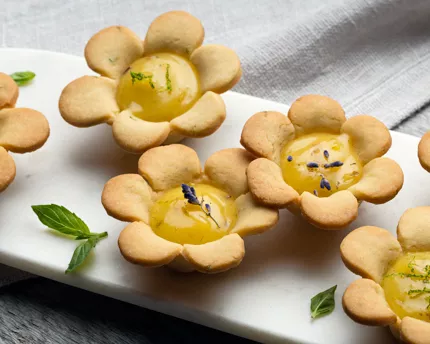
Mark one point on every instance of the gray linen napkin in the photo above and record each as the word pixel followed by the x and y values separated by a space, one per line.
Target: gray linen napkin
pixel 373 56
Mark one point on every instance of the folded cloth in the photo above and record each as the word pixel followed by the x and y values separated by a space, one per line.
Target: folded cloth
pixel 373 56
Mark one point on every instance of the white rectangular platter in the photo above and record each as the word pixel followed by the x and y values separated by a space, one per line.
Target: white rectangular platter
pixel 266 298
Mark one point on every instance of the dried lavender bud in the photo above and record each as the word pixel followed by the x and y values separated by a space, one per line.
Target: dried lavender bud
pixel 326 155
pixel 326 184
pixel 312 165
pixel 290 158
pixel 208 207
pixel 316 193
pixel 333 164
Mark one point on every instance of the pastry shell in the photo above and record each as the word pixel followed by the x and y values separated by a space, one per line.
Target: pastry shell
pixel 368 251
pixel 22 130
pixel 91 100
pixel 129 197
pixel 267 132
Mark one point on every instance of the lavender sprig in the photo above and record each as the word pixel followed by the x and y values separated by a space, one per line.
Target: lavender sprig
pixel 190 195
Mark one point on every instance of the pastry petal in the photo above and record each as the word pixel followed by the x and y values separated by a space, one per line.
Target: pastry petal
pixel 413 230
pixel 127 198
pixel 370 137
pixel 414 331
pixel 140 245
pixel 218 66
pixel 22 130
pixel 7 169
pixel 368 251
pixel 315 113
pixel 227 168
pixel 364 302
pixel 267 185
pixel 216 256
pixel 423 151
pixel 111 51
pixel 333 212
pixel 266 133
pixel 8 91
pixel 203 119
pixel 136 135
pixel 253 218
pixel 381 181
pixel 88 101
pixel 169 166
pixel 175 31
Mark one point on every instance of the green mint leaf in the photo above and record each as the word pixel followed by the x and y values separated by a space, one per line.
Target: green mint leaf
pixel 81 253
pixel 61 219
pixel 22 78
pixel 83 250
pixel 323 303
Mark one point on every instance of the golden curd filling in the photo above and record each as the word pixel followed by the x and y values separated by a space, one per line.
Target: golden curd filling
pixel 173 218
pixel 159 87
pixel 407 286
pixel 320 163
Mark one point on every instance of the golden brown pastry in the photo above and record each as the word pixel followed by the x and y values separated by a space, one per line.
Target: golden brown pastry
pixel 394 289
pixel 22 130
pixel 316 162
pixel 202 231
pixel 154 92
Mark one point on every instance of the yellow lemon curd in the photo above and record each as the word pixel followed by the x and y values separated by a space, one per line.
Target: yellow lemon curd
pixel 320 163
pixel 407 286
pixel 173 218
pixel 159 87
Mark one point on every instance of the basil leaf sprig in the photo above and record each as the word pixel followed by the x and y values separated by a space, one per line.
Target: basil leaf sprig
pixel 22 78
pixel 64 221
pixel 323 303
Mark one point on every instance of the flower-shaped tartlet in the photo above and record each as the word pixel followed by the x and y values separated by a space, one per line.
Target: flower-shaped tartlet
pixel 154 92
pixel 185 217
pixel 22 130
pixel 395 288
pixel 317 163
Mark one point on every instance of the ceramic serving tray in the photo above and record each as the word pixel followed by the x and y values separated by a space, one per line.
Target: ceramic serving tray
pixel 266 298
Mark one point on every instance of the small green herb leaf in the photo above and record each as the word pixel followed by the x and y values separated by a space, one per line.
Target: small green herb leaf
pixel 60 219
pixel 323 303
pixel 81 253
pixel 22 78
pixel 83 250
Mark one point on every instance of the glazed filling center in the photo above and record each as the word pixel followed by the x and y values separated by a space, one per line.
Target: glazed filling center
pixel 320 163
pixel 173 218
pixel 407 286
pixel 159 87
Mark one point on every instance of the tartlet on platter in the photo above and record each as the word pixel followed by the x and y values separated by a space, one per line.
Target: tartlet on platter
pixel 316 162
pixel 395 286
pixel 156 91
pixel 183 216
